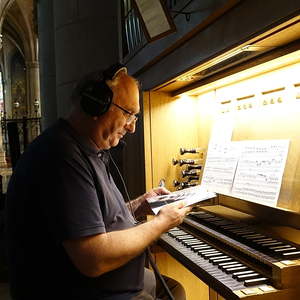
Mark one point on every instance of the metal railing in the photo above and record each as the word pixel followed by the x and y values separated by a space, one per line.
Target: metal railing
pixel 133 37
pixel 17 134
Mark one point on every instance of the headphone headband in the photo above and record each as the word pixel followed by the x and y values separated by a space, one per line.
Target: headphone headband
pixel 112 72
pixel 96 96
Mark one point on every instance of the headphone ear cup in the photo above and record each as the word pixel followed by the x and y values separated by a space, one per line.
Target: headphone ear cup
pixel 96 98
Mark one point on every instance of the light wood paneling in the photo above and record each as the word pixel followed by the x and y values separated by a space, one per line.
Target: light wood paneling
pixel 147 141
pixel 195 289
pixel 169 125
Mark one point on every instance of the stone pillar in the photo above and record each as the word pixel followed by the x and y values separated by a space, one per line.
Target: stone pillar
pixel 3 163
pixel 47 62
pixel 33 84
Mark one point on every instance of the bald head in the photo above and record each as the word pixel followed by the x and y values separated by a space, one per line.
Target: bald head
pixel 106 129
pixel 122 87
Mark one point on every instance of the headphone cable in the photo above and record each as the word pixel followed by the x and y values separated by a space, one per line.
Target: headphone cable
pixel 124 186
pixel 148 252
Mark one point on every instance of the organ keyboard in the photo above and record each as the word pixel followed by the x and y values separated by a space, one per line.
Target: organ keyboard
pixel 236 259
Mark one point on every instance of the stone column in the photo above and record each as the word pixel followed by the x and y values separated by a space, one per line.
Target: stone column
pixel 3 163
pixel 47 62
pixel 33 90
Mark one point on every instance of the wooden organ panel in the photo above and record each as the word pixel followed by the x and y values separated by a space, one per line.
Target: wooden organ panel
pixel 261 242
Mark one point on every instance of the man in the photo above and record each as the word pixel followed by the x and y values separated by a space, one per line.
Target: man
pixel 70 234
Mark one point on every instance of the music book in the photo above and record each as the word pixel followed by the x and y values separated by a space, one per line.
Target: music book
pixel 190 196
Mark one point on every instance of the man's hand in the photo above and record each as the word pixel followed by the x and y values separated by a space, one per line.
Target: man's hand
pixel 156 192
pixel 172 215
pixel 141 206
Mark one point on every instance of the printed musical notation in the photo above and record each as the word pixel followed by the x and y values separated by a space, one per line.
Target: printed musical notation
pixel 259 171
pixel 222 157
pixel 220 167
pixel 249 170
pixel 190 196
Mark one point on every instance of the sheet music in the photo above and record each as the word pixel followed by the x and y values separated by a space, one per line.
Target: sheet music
pixel 260 170
pixel 190 196
pixel 220 167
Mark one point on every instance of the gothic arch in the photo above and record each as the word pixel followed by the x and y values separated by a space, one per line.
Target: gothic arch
pixel 17 26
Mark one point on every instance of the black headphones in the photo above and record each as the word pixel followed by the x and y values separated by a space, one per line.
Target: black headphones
pixel 96 96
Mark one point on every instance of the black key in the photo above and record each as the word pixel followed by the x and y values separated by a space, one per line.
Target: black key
pixel 230 227
pixel 242 230
pixel 256 281
pixel 254 236
pixel 234 226
pixel 245 231
pixel 223 222
pixel 212 218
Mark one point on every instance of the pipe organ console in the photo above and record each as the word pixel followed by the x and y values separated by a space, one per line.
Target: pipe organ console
pixel 236 258
pixel 232 247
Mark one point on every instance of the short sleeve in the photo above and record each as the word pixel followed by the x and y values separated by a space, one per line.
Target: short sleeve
pixel 72 205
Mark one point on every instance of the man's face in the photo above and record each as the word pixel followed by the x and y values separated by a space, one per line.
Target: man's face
pixel 115 121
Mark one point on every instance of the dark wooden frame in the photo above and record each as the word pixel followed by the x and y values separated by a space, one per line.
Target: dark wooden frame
pixel 163 12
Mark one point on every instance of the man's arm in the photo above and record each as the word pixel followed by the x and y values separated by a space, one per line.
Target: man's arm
pixel 101 253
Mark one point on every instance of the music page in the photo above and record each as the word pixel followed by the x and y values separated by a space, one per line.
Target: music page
pixel 190 196
pixel 220 167
pixel 260 170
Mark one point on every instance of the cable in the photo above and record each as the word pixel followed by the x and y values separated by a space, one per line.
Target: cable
pixel 124 186
pixel 159 276
pixel 148 252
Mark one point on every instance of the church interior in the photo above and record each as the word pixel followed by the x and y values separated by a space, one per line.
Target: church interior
pixel 211 73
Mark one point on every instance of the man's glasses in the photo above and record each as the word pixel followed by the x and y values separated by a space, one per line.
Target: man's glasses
pixel 131 117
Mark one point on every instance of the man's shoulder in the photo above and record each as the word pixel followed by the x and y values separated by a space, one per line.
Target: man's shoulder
pixel 56 141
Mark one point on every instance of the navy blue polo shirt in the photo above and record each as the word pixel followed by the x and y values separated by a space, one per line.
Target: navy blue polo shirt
pixel 62 189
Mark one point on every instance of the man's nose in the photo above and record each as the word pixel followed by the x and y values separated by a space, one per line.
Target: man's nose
pixel 130 127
